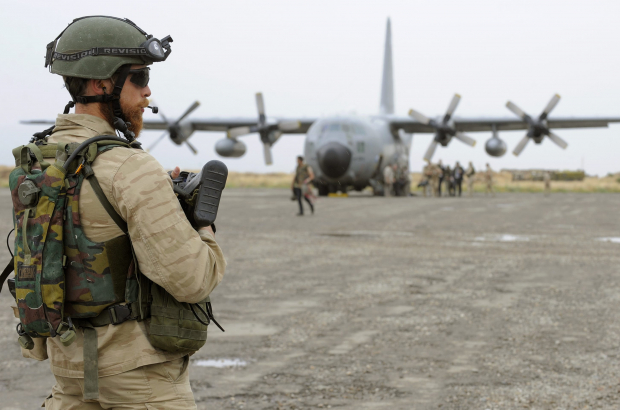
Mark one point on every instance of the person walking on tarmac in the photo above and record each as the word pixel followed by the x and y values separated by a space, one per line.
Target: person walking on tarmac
pixel 547 180
pixel 303 176
pixel 104 62
pixel 449 180
pixel 388 179
pixel 435 179
pixel 458 177
pixel 488 177
pixel 427 176
pixel 441 177
pixel 471 177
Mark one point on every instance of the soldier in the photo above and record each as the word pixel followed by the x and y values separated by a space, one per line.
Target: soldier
pixel 547 179
pixel 471 176
pixel 448 179
pixel 436 173
pixel 488 177
pixel 427 175
pixel 458 177
pixel 388 179
pixel 441 176
pixel 134 203
pixel 303 176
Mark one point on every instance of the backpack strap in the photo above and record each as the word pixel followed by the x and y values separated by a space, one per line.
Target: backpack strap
pixel 91 363
pixel 93 151
pixel 94 183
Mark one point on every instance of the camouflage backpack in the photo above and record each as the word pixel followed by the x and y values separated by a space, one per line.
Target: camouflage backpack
pixel 62 276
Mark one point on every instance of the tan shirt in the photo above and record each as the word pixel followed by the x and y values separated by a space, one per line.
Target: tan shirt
pixel 170 252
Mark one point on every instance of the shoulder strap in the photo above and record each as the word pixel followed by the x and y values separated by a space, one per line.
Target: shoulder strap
pixel 94 183
pixel 106 204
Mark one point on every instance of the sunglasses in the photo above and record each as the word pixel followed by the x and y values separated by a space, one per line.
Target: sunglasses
pixel 140 76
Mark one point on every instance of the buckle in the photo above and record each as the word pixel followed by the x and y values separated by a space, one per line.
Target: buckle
pixel 119 314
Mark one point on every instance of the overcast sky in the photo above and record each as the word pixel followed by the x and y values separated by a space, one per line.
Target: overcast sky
pixel 316 58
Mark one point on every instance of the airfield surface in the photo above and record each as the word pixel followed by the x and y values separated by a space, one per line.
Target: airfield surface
pixel 511 302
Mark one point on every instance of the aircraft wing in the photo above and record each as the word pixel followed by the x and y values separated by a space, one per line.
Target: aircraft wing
pixel 410 125
pixel 224 124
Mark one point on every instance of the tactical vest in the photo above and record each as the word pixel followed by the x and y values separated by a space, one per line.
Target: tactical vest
pixel 301 174
pixel 64 280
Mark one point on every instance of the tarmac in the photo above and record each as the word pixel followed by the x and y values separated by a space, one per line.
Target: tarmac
pixel 505 302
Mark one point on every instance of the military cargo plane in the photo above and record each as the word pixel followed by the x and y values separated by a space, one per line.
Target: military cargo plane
pixel 352 151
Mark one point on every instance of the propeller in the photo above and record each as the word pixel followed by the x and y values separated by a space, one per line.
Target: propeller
pixel 178 133
pixel 269 131
pixel 444 130
pixel 537 128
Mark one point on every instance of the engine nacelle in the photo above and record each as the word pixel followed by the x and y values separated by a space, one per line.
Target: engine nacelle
pixel 179 133
pixel 229 147
pixel 495 147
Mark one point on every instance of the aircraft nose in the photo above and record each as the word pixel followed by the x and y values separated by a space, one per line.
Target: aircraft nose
pixel 334 159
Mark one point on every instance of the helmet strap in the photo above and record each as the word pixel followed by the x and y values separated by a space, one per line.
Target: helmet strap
pixel 113 99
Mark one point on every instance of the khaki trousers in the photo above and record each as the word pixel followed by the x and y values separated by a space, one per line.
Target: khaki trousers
pixel 160 386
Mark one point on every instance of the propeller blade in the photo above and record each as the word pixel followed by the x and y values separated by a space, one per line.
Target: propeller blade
pixel 520 113
pixel 559 141
pixel 194 150
pixel 521 145
pixel 289 125
pixel 419 117
pixel 430 151
pixel 465 139
pixel 157 141
pixel 453 104
pixel 238 131
pixel 189 111
pixel 276 136
pixel 552 103
pixel 260 104
pixel 267 153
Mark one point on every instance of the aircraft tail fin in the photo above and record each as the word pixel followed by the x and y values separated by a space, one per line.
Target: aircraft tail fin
pixel 387 83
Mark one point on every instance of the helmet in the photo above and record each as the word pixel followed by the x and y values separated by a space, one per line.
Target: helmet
pixel 97 46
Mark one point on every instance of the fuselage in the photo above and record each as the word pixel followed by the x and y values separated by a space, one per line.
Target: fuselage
pixel 351 151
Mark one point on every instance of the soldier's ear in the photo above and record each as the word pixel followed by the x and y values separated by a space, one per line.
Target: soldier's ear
pixel 99 87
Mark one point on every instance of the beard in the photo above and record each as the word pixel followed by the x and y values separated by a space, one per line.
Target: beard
pixel 133 115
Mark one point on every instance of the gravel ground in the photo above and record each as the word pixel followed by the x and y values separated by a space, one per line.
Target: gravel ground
pixel 508 302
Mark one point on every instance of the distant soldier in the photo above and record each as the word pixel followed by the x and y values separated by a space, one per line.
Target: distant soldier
pixel 388 180
pixel 471 177
pixel 436 174
pixel 400 180
pixel 458 177
pixel 441 170
pixel 488 177
pixel 427 176
pixel 448 180
pixel 547 179
pixel 303 175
